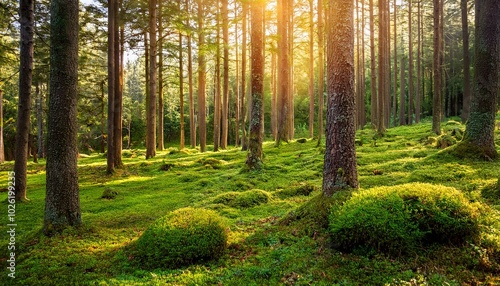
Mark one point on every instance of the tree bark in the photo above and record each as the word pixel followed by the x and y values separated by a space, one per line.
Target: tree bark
pixel 283 72
pixel 244 139
pixel 119 46
pixel 436 105
pixel 311 69
pixel 217 89
pixel 2 149
pixel 418 93
pixel 202 123
pixel 255 153
pixel 151 106
pixel 111 86
pixel 340 157
pixel 321 71
pixel 395 44
pixel 373 83
pixel 382 67
pixel 410 64
pixel 237 75
pixel 161 108
pixel 479 134
pixel 465 34
pixel 402 110
pixel 62 202
pixel 225 83
pixel 27 21
pixel 192 118
pixel 181 90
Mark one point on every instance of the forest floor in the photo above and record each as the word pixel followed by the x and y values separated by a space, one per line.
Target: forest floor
pixel 261 250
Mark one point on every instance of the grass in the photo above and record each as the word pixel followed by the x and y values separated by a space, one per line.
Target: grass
pixel 262 249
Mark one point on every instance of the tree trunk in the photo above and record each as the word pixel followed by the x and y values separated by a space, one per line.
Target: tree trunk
pixel 274 99
pixel 111 86
pixel 192 118
pixel 119 46
pixel 202 123
pixel 254 158
pixel 237 74
pixel 465 35
pixel 418 93
pixel 181 90
pixel 244 139
pixel 2 150
pixel 311 69
pixel 373 83
pixel 382 67
pixel 321 71
pixel 363 76
pixel 62 202
pixel 340 157
pixel 27 21
pixel 395 44
pixel 225 83
pixel 436 105
pixel 217 90
pixel 283 72
pixel 402 100
pixel 151 107
pixel 291 88
pixel 161 108
pixel 479 137
pixel 103 122
pixel 410 64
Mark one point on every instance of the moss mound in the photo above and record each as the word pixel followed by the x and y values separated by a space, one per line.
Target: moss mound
pixel 183 237
pixel 402 219
pixel 109 194
pixel 303 189
pixel 245 199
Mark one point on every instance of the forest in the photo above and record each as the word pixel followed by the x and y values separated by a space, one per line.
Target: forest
pixel 250 142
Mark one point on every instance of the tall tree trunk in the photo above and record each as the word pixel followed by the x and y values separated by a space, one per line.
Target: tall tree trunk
pixel 244 139
pixel 151 107
pixel 395 44
pixel 103 121
pixel 465 35
pixel 340 157
pixel 237 73
pixel 161 107
pixel 62 201
pixel 311 68
pixel 146 74
pixel 217 89
pixel 410 64
pixel 321 71
pixel 27 21
pixel 291 88
pixel 225 83
pixel 181 90
pixel 202 123
pixel 436 105
pixel 363 75
pixel 39 119
pixel 479 137
pixel 119 46
pixel 283 72
pixel 255 153
pixel 111 86
pixel 2 149
pixel 382 67
pixel 274 96
pixel 373 83
pixel 192 118
pixel 418 93
pixel 402 100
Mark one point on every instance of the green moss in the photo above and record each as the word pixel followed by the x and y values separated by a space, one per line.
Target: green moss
pixel 243 200
pixel 303 189
pixel 109 194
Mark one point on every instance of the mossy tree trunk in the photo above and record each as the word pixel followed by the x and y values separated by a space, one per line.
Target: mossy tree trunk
pixel 340 170
pixel 254 158
pixel 27 21
pixel 479 138
pixel 62 203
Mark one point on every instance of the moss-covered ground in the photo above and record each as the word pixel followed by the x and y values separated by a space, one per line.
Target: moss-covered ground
pixel 267 244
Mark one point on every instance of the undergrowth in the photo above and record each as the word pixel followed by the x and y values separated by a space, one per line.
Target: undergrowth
pixel 281 240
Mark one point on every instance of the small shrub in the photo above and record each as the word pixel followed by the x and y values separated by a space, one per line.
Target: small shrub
pixel 183 237
pixel 109 194
pixel 303 189
pixel 246 199
pixel 401 219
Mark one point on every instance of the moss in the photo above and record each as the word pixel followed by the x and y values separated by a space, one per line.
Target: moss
pixel 302 140
pixel 243 200
pixel 109 194
pixel 467 150
pixel 445 141
pixel 303 189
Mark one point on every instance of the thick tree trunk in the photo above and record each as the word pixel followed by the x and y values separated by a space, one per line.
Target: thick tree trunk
pixel 436 105
pixel 225 83
pixel 340 157
pixel 283 72
pixel 202 123
pixel 111 86
pixel 465 35
pixel 479 137
pixel 62 202
pixel 311 69
pixel 254 158
pixel 27 21
pixel 151 106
